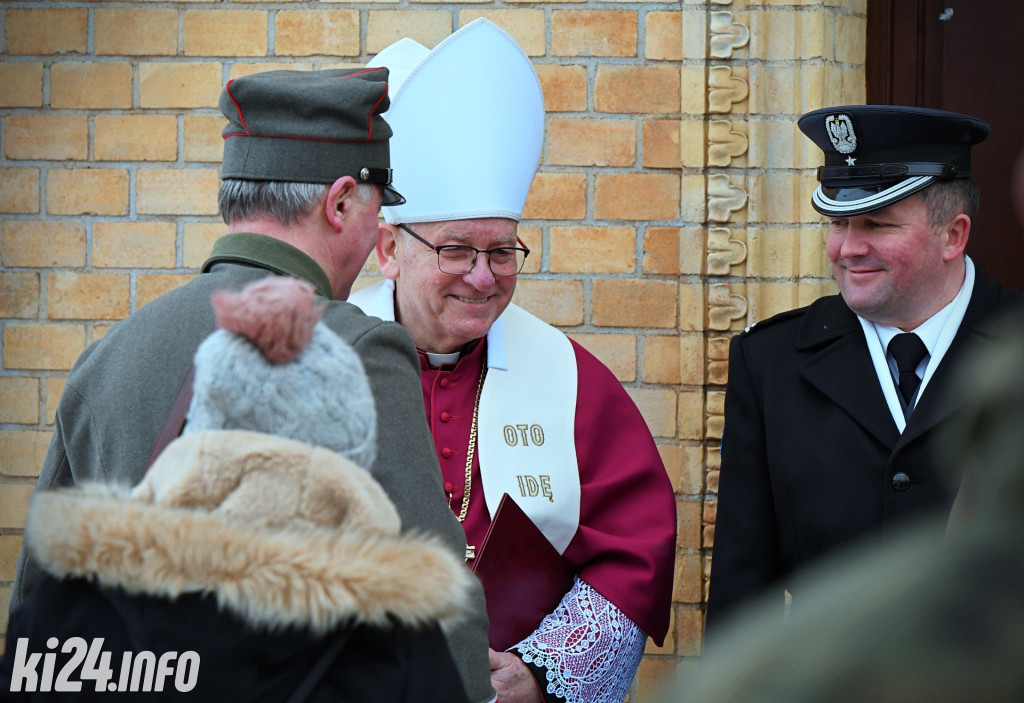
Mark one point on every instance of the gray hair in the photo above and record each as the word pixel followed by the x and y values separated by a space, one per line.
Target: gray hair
pixel 241 199
pixel 946 199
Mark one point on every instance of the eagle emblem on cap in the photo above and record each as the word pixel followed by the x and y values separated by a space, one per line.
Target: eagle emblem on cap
pixel 840 131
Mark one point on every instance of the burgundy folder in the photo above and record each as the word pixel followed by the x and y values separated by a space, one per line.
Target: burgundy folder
pixel 523 576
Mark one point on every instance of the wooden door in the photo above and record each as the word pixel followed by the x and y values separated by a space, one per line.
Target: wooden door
pixel 965 56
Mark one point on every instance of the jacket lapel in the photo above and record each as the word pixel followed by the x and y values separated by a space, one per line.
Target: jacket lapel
pixel 971 338
pixel 839 365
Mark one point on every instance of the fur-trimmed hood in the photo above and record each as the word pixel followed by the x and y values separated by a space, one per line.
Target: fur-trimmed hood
pixel 279 532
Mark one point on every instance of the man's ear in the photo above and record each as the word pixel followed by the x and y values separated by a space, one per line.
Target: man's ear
pixel 387 250
pixel 957 233
pixel 338 201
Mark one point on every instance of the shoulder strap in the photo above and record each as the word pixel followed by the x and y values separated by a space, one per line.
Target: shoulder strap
pixel 316 674
pixel 175 422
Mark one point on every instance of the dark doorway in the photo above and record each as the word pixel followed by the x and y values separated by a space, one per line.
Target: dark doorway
pixel 965 56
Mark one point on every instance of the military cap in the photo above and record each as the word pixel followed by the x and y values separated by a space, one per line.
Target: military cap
pixel 876 155
pixel 309 127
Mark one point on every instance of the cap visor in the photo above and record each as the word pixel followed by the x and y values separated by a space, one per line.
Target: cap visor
pixel 391 197
pixel 847 201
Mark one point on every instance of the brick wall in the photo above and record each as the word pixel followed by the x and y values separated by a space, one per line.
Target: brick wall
pixel 671 208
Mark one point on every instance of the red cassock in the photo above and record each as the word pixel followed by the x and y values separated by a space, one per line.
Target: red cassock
pixel 625 545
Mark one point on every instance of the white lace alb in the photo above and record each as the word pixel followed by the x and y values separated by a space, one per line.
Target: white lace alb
pixel 589 648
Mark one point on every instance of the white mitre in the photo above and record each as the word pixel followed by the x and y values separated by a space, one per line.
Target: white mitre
pixel 468 121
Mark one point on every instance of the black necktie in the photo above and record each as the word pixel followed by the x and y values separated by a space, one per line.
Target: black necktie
pixel 908 350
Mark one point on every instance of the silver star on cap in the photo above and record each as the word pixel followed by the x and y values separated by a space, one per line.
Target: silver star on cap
pixel 850 161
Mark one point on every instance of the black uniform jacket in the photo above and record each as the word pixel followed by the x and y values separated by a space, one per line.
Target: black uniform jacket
pixel 811 456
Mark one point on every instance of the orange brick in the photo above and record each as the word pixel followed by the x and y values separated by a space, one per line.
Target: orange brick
pixel 10 545
pixel 661 251
pixel 20 400
pixel 225 33
pixel 135 138
pixel 237 70
pixel 199 239
pixel 691 417
pixel 91 86
pixel 652 677
pixel 637 196
pixel 314 32
pixel 637 89
pixel 203 141
pixel 384 27
pixel 593 32
pixel 47 31
pixel 658 408
pixel 533 238
pixel 50 137
pixel 19 295
pixel 689 581
pixel 53 386
pixel 557 196
pixel 661 145
pixel 565 87
pixel 22 452
pixel 136 32
pixel 19 190
pixel 616 351
pixel 618 302
pixel 664 36
pixel 585 141
pixel 689 631
pixel 691 360
pixel 149 288
pixel 43 243
pixel 134 244
pixel 23 84
pixel 87 296
pixel 87 191
pixel 689 513
pixel 661 360
pixel 179 85
pixel 592 249
pixel 42 346
pixel 190 191
pixel 14 500
pixel 525 26
pixel 555 302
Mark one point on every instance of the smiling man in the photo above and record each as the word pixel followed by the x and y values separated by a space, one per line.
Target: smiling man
pixel 514 406
pixel 831 410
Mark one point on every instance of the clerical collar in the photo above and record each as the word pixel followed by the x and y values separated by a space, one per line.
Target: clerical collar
pixel 436 359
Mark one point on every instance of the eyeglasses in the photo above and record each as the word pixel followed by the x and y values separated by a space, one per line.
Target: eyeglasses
pixel 459 259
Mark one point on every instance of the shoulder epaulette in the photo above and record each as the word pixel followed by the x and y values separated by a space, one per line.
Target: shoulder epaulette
pixel 779 317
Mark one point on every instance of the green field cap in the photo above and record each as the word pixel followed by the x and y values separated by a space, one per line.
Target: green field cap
pixel 309 127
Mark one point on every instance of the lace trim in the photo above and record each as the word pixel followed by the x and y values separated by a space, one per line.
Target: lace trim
pixel 588 647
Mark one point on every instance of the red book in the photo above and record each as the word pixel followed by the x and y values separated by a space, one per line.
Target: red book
pixel 523 576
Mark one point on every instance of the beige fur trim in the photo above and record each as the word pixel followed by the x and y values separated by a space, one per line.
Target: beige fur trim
pixel 280 533
pixel 263 479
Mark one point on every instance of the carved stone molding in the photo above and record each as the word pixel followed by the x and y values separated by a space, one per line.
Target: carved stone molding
pixel 724 251
pixel 726 35
pixel 724 198
pixel 725 89
pixel 724 306
pixel 725 143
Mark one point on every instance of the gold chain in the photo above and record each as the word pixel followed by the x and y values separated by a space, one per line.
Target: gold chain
pixel 471 450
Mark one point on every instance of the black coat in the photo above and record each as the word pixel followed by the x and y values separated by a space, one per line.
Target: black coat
pixel 237 662
pixel 264 586
pixel 811 457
